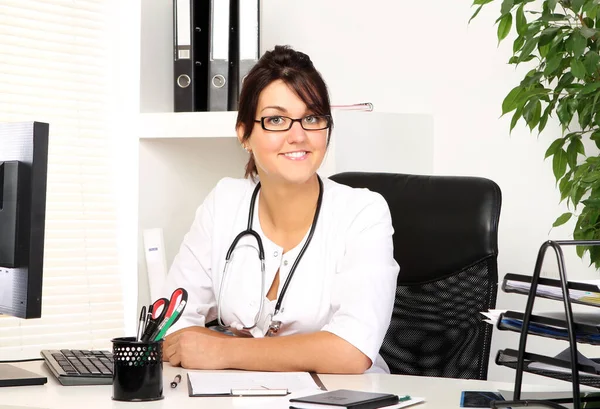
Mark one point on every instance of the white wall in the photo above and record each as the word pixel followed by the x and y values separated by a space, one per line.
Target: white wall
pixel 422 57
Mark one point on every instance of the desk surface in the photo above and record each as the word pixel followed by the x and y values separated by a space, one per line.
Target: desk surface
pixel 440 393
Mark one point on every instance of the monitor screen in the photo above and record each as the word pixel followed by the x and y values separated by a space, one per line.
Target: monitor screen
pixel 23 176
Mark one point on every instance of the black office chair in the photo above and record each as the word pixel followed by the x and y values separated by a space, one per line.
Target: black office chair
pixel 445 241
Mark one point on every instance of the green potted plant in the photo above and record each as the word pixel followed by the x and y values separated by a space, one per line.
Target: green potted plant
pixel 560 41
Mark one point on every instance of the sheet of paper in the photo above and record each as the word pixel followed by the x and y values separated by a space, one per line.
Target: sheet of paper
pixel 556 292
pixel 207 383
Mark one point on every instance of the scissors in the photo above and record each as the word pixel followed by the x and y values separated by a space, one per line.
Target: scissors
pixel 161 310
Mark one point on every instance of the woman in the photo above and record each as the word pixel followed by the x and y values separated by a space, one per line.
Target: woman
pixel 332 243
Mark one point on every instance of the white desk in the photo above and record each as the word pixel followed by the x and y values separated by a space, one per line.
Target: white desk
pixel 440 393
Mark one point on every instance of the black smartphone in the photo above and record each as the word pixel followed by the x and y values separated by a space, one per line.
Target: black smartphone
pixel 478 399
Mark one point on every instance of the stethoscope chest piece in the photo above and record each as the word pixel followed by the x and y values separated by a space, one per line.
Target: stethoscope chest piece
pixel 274 328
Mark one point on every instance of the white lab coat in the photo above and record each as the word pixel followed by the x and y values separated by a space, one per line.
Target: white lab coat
pixel 345 283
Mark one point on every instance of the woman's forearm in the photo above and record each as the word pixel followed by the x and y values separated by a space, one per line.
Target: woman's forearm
pixel 321 352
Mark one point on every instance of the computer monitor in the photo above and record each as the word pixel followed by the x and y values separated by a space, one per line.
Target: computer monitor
pixel 23 176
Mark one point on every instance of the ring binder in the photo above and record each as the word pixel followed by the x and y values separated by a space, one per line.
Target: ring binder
pixel 183 68
pixel 218 62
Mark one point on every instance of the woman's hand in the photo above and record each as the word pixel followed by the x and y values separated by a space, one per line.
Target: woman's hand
pixel 194 349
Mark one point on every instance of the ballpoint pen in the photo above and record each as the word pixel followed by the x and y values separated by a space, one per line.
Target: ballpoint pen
pixel 176 381
pixel 141 324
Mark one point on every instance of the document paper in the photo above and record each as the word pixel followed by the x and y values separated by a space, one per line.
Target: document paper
pixel 217 383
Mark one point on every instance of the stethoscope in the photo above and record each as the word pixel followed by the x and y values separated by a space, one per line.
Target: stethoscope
pixel 275 325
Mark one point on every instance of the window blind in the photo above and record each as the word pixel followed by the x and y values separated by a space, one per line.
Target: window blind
pixel 55 67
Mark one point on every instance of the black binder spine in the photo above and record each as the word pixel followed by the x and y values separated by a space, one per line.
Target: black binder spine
pixel 183 68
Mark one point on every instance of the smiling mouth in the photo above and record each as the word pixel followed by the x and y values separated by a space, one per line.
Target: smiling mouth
pixel 296 155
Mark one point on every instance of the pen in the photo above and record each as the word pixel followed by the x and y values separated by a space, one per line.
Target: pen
pixel 141 324
pixel 176 381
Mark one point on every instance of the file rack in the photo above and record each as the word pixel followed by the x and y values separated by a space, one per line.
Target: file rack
pixel 520 359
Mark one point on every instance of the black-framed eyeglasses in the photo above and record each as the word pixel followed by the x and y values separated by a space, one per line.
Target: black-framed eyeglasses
pixel 279 123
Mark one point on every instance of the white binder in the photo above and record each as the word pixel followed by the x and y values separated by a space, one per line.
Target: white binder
pixel 248 35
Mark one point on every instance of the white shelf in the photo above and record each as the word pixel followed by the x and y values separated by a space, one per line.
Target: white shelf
pixel 172 125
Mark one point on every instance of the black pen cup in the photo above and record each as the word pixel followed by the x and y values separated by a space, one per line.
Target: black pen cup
pixel 138 370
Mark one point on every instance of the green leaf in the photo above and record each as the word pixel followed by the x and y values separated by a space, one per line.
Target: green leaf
pixel 579 147
pixel 551 4
pixel 593 203
pixel 529 46
pixel 594 111
pixel 595 136
pixel 548 34
pixel 587 32
pixel 509 102
pixel 523 97
pixel 589 88
pixel 578 69
pixel 564 187
pixel 518 44
pixel 532 78
pixel 563 112
pixel 577 193
pixel 504 27
pixel 576 5
pixel 592 177
pixel 521 21
pixel 553 17
pixel 552 64
pixel 515 118
pixel 506 6
pixel 532 113
pixel 584 114
pixel 543 120
pixel 481 2
pixel 591 62
pixel 554 147
pixel 559 163
pixel 562 219
pixel 579 44
pixel 588 22
pixel 475 14
pixel 543 50
pixel 565 80
pixel 574 149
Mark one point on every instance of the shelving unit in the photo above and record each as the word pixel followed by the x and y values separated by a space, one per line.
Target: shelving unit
pixel 521 359
pixel 168 125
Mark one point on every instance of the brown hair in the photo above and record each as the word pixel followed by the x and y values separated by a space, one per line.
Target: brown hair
pixel 297 71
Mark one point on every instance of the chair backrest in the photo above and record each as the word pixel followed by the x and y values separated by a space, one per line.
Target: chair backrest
pixel 445 241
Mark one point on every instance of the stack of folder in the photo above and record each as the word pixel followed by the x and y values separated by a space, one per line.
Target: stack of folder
pixel 216 43
pixel 554 325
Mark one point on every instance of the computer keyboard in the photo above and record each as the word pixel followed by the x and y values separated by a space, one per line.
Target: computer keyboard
pixel 79 367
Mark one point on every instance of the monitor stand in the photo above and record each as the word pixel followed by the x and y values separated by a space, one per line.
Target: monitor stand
pixel 11 375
